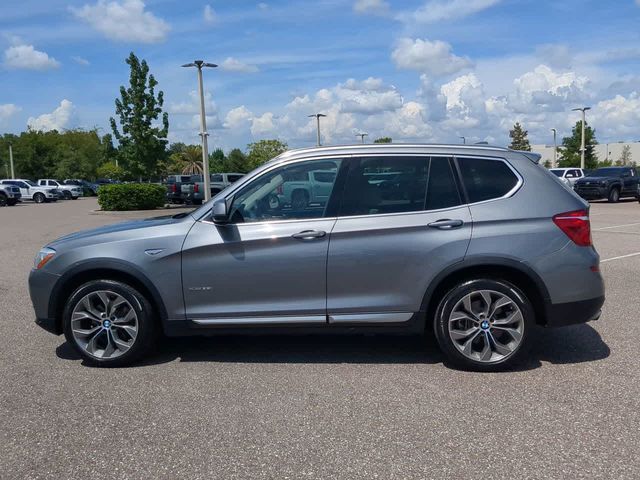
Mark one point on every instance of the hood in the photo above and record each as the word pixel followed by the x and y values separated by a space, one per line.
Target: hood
pixel 595 179
pixel 118 231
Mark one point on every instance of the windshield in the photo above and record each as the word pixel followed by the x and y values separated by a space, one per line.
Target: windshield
pixel 33 184
pixel 606 172
pixel 557 173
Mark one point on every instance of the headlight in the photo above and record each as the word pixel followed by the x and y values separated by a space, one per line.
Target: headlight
pixel 43 257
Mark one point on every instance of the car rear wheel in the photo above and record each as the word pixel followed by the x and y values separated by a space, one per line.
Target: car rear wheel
pixel 109 323
pixel 484 325
pixel 614 195
pixel 3 200
pixel 67 195
pixel 39 197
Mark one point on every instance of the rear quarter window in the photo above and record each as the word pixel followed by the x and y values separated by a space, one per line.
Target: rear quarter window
pixel 486 179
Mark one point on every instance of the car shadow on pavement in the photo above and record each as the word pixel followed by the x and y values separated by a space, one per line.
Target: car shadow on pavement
pixel 575 344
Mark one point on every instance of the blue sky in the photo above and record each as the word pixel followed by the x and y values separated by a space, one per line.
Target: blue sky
pixel 422 70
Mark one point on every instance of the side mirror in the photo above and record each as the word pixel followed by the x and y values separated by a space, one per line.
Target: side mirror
pixel 219 211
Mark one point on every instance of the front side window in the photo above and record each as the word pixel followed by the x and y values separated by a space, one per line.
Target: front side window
pixel 286 193
pixel 486 179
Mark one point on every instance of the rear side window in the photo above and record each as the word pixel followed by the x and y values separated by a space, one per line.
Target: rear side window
pixel 442 191
pixel 486 179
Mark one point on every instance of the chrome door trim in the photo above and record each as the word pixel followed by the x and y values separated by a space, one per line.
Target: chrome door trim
pixel 389 317
pixel 261 320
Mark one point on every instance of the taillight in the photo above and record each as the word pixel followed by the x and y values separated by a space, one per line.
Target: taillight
pixel 576 226
pixel 196 188
pixel 174 188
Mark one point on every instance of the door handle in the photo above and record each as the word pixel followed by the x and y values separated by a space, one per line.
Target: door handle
pixel 309 234
pixel 446 224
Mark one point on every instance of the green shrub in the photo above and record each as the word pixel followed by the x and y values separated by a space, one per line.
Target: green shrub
pixel 131 196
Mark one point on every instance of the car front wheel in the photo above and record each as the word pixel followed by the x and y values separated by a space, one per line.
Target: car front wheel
pixel 39 198
pixel 109 323
pixel 484 325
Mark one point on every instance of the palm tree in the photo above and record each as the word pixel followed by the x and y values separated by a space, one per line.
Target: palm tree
pixel 191 157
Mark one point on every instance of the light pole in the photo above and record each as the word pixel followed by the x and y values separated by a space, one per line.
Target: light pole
pixel 361 135
pixel 13 175
pixel 555 147
pixel 464 140
pixel 203 127
pixel 583 110
pixel 318 115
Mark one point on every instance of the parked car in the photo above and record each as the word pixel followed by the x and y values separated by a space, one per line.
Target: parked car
pixel 612 183
pixel 485 246
pixel 571 175
pixel 87 187
pixel 309 188
pixel 69 192
pixel 175 184
pixel 193 192
pixel 31 191
pixel 9 195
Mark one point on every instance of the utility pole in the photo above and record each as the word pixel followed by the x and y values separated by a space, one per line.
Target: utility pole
pixel 555 147
pixel 203 127
pixel 582 149
pixel 464 140
pixel 13 175
pixel 362 135
pixel 318 115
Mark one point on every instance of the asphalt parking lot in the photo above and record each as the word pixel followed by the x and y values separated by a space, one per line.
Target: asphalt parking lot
pixel 318 407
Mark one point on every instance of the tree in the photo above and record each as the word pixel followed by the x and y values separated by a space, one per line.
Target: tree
pixel 218 161
pixel 519 140
pixel 625 156
pixel 570 152
pixel 548 164
pixel 111 171
pixel 263 151
pixel 237 162
pixel 141 145
pixel 191 159
pixel 383 140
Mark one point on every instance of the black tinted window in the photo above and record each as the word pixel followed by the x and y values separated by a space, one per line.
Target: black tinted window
pixel 234 178
pixel 486 179
pixel 442 191
pixel 216 178
pixel 386 185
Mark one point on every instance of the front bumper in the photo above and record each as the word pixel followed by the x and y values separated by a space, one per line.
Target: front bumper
pixel 41 284
pixel 562 314
pixel 592 192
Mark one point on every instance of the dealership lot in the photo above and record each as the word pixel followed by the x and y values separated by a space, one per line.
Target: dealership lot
pixel 318 407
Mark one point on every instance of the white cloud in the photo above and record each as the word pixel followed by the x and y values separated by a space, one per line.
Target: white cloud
pixel 81 61
pixel 263 6
pixel 234 65
pixel 371 7
pixel 432 57
pixel 209 14
pixel 192 106
pixel 7 111
pixel 441 10
pixel 125 21
pixel 238 117
pixel 263 125
pixel 557 56
pixel 56 120
pixel 27 57
pixel 620 114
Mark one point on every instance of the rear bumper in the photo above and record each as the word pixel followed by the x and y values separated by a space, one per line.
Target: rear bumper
pixel 561 314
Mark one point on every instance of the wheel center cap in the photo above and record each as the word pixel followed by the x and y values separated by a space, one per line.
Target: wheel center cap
pixel 106 324
pixel 484 325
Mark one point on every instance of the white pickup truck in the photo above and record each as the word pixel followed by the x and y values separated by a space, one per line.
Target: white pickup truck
pixel 31 191
pixel 69 192
pixel 312 188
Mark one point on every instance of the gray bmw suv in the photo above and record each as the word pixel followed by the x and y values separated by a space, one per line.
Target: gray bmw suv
pixel 477 245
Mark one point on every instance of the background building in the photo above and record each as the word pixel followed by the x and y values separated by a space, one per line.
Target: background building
pixel 604 151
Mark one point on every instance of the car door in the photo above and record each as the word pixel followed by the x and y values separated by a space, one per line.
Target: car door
pixel 389 244
pixel 629 181
pixel 269 263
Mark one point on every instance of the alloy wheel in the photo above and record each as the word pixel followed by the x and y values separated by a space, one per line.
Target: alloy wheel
pixel 486 326
pixel 104 324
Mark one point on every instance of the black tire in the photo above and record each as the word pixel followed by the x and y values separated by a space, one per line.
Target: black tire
pixel 39 197
pixel 67 195
pixel 12 201
pixel 147 333
pixel 442 320
pixel 614 195
pixel 299 200
pixel 74 198
pixel 3 200
pixel 197 202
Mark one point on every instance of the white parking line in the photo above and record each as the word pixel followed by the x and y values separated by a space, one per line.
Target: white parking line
pixel 621 256
pixel 616 226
